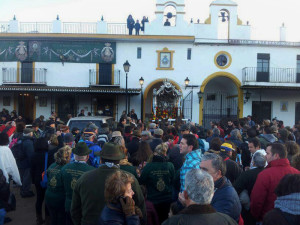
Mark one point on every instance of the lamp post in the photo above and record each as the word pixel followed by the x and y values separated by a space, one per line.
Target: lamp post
pixel 247 96
pixel 141 80
pixel 126 66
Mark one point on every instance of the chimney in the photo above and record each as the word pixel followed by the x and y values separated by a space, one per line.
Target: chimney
pixel 283 33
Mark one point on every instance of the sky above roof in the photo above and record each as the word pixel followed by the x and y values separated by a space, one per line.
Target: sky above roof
pixel 265 16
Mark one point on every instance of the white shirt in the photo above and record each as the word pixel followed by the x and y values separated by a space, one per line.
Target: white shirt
pixel 8 165
pixel 263 152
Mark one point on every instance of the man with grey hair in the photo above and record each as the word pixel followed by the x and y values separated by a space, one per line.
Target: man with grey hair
pixel 71 172
pixel 216 133
pixel 225 199
pixel 197 196
pixel 245 183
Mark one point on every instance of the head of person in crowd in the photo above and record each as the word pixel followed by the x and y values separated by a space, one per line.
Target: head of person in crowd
pixel 274 130
pixel 81 152
pixel 188 143
pixel 20 127
pixel 117 138
pixel 215 144
pixel 253 145
pixel 296 161
pixel 292 149
pixel 41 145
pixel 143 154
pixel 230 123
pixel 69 140
pixel 89 135
pixel 274 121
pixel 267 130
pixel 65 129
pixel 128 130
pixel 27 132
pixel 184 129
pixel 227 148
pixel 194 129
pixel 251 132
pixel 152 127
pixel 266 123
pixel 63 155
pixel 275 151
pixel 136 134
pixel 146 135
pixel 104 129
pixel 35 127
pixel 158 133
pixel 129 120
pixel 283 135
pixel 51 123
pixel 214 165
pixel 93 127
pixel 202 133
pixel 123 120
pixel 4 119
pixel 216 132
pixel 4 140
pixel 75 130
pixel 213 124
pixel 259 160
pixel 161 150
pixel 53 140
pixel 199 188
pixel 111 153
pixel 235 134
pixel 209 133
pixel 118 185
pixel 289 184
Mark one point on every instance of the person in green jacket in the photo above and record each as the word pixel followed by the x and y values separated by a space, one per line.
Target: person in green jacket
pixel 55 196
pixel 158 177
pixel 88 195
pixel 72 172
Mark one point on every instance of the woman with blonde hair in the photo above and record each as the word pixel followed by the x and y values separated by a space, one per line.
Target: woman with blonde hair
pixel 120 207
pixel 55 199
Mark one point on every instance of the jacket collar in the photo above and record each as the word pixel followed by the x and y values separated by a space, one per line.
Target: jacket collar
pixel 278 162
pixel 198 209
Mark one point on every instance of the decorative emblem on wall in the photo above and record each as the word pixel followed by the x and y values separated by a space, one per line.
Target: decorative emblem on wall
pixel 165 59
pixel 107 53
pixel 21 51
pixel 34 47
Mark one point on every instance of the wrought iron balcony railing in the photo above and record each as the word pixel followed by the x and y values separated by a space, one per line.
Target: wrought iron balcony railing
pixel 103 79
pixel 271 75
pixel 24 76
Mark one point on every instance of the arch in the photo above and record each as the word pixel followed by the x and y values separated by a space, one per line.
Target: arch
pixel 149 86
pixel 238 85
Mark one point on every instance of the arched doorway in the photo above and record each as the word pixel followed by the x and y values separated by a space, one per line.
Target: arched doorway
pixel 162 98
pixel 223 98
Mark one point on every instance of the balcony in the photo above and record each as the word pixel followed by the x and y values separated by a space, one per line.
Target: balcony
pixel 270 77
pixel 24 76
pixel 106 79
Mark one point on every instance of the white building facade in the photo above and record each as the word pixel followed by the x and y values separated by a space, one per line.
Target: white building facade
pixel 231 76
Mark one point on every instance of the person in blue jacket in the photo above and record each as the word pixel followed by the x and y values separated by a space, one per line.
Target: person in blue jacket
pixel 89 137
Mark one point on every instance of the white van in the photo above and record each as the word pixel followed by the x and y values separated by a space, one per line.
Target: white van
pixel 81 122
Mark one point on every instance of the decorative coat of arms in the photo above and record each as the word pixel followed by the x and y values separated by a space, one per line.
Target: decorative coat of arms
pixel 21 51
pixel 107 53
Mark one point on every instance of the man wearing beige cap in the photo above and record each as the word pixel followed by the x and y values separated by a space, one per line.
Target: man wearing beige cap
pixel 157 139
pixel 146 136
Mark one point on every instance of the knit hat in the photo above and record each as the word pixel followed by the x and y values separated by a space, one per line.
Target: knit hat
pixel 81 149
pixel 159 132
pixel 116 134
pixel 88 133
pixel 226 147
pixel 111 151
pixel 68 138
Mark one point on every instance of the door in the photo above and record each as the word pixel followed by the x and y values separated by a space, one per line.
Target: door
pixel 65 105
pixel 26 72
pixel 263 68
pixel 297 113
pixel 105 73
pixel 26 107
pixel 261 110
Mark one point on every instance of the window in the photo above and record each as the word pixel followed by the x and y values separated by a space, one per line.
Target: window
pixel 211 97
pixel 26 72
pixel 139 53
pixel 189 54
pixel 263 63
pixel 298 63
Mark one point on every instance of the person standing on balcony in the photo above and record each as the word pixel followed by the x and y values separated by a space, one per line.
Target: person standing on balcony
pixel 137 27
pixel 130 24
pixel 144 20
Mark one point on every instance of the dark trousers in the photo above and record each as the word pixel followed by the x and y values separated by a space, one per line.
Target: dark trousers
pixel 69 220
pixel 40 197
pixel 57 215
pixel 162 210
pixel 137 31
pixel 130 30
pixel 26 181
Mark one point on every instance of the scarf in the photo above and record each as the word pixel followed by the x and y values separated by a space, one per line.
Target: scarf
pixel 110 165
pixel 289 203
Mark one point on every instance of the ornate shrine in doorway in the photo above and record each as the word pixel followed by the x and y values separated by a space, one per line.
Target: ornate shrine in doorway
pixel 166 101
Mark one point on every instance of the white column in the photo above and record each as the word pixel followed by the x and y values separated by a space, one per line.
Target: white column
pixel 13 26
pixel 57 28
pixel 101 27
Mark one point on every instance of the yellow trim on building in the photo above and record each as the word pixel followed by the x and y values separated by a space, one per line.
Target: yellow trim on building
pixel 165 50
pixel 97 73
pixel 33 72
pixel 238 85
pixel 18 71
pixel 208 20
pixel 229 60
pixel 112 74
pixel 148 88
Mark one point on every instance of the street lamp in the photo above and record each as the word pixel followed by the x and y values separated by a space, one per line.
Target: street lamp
pixel 200 96
pixel 187 82
pixel 126 66
pixel 247 96
pixel 141 80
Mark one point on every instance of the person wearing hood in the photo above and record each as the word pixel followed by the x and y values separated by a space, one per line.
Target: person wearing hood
pixel 267 137
pixel 190 148
pixel 158 177
pixel 287 204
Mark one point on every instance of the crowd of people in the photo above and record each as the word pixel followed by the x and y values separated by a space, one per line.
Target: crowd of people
pixel 235 172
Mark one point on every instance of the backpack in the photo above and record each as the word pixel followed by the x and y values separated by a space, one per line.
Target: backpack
pixel 17 149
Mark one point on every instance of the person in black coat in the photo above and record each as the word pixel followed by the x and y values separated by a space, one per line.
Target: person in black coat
pixel 144 20
pixel 37 168
pixel 137 27
pixel 130 24
pixel 133 145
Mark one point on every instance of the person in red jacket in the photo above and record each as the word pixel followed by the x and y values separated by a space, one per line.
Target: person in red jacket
pixel 263 195
pixel 9 128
